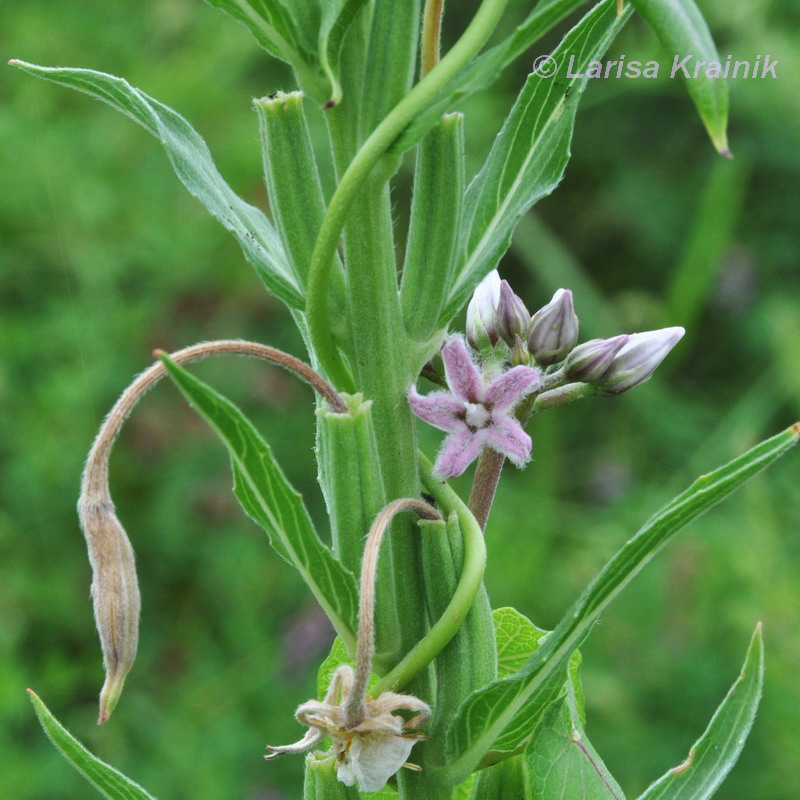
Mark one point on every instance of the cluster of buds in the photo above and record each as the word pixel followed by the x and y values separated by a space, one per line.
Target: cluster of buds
pixel 498 323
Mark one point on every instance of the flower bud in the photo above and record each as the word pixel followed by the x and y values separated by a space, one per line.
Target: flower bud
pixel 553 330
pixel 589 361
pixel 519 353
pixel 637 360
pixel 482 313
pixel 512 316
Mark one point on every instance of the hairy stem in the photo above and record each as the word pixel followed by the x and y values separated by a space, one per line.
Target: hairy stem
pixel 484 485
pixel 431 34
pixel 355 706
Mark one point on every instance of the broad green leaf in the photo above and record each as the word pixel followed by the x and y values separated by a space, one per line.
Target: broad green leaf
pixel 503 781
pixel 271 501
pixel 111 783
pixel 486 68
pixel 561 762
pixel 713 755
pixel 517 639
pixel 528 158
pixel 195 168
pixel 486 713
pixel 683 31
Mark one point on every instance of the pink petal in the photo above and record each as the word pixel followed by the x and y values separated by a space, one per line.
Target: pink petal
pixel 458 452
pixel 463 378
pixel 505 435
pixel 506 391
pixel 438 409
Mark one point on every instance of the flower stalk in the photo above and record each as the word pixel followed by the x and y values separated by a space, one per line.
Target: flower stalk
pixel 115 589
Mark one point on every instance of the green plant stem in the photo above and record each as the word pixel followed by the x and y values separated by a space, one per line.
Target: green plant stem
pixel 365 160
pixel 469 583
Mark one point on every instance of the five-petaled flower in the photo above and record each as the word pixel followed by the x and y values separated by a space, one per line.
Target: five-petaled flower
pixel 370 747
pixel 475 413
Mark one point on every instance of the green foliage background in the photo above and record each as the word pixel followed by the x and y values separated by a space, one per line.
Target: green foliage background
pixel 105 257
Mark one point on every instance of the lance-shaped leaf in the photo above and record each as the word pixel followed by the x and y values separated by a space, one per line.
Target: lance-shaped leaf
pixel 195 168
pixel 271 501
pixel 528 158
pixel 306 34
pixel 486 68
pixel 683 31
pixel 111 783
pixel 486 713
pixel 560 762
pixel 713 755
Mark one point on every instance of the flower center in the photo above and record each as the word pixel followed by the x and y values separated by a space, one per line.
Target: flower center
pixel 476 415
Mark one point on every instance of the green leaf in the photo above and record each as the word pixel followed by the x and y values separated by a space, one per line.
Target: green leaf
pixel 304 33
pixel 713 755
pixel 270 500
pixel 683 31
pixel 195 168
pixel 528 158
pixel 561 762
pixel 517 639
pixel 487 712
pixel 337 16
pixel 108 781
pixel 486 68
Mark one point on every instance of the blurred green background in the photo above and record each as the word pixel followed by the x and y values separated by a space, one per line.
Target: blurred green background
pixel 104 257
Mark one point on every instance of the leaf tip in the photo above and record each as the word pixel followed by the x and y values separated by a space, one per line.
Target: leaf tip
pixel 14 62
pixel 795 429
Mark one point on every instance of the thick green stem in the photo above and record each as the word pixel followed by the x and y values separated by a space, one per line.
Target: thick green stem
pixel 366 159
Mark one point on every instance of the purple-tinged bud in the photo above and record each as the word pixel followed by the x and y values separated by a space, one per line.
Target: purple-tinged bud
pixel 482 313
pixel 553 330
pixel 637 360
pixel 590 361
pixel 512 316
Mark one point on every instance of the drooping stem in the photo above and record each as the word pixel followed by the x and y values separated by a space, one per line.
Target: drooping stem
pixel 431 34
pixel 354 708
pixel 484 485
pixel 95 476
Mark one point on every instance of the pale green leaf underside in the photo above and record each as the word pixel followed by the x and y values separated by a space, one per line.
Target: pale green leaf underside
pixel 561 764
pixel 487 712
pixel 713 755
pixel 194 166
pixel 530 154
pixel 111 783
pixel 271 501
pixel 683 31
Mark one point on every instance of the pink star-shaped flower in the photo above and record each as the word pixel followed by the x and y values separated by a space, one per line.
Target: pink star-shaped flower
pixel 474 413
